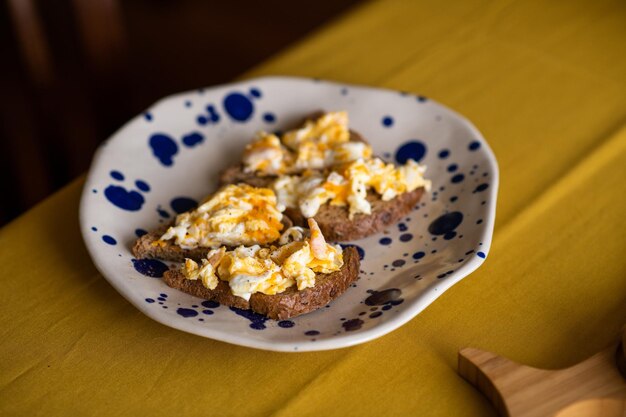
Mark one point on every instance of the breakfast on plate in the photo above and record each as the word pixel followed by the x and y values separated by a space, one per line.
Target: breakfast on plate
pixel 279 282
pixel 324 170
pixel 238 249
pixel 259 242
pixel 235 215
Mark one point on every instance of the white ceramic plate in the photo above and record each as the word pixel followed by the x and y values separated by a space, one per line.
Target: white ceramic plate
pixel 165 159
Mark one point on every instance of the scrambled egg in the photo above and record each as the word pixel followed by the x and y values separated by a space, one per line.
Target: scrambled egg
pixel 302 158
pixel 350 151
pixel 266 155
pixel 348 185
pixel 269 270
pixel 235 215
pixel 319 144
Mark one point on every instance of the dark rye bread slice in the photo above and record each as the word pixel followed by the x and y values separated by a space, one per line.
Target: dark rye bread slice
pixel 289 303
pixel 150 246
pixel 333 220
pixel 235 174
pixel 336 225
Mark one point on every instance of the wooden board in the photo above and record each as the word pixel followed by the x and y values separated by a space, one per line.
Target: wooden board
pixel 594 387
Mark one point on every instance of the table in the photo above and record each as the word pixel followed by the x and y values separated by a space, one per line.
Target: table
pixel 545 82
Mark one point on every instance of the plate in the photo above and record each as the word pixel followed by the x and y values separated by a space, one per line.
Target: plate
pixel 164 160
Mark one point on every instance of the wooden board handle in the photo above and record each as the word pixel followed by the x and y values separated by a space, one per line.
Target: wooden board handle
pixel 593 387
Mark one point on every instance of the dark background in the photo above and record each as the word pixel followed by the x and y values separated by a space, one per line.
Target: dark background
pixel 73 71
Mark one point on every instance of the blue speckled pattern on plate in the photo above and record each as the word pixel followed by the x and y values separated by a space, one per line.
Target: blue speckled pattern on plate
pixel 163 161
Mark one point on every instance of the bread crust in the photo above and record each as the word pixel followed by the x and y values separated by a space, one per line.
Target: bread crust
pixel 290 303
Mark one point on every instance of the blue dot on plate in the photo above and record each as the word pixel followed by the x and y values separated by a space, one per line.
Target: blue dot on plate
pixel 458 178
pixel 109 239
pixel 186 312
pixel 150 267
pixel 481 255
pixel 192 139
pixel 481 187
pixel 163 213
pixel 359 250
pixel 213 116
pixel 126 200
pixel 148 116
pixel 183 204
pixel 255 92
pixel 385 241
pixel 414 150
pixel 238 107
pixel 452 167
pixel 444 153
pixel 398 263
pixel 387 121
pixel 140 232
pixel 418 255
pixel 142 185
pixel 117 175
pixel 187 103
pixel 202 120
pixel 257 321
pixel 95 229
pixel 150 300
pixel 210 304
pixel 269 117
pixel 474 145
pixel 406 237
pixel 164 148
pixel 286 324
pixel 446 223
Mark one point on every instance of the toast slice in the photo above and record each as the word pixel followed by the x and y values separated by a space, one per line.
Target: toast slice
pixel 335 224
pixel 150 246
pixel 334 221
pixel 235 174
pixel 287 304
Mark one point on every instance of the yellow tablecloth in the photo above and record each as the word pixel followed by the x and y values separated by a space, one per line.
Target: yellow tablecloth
pixel 545 81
